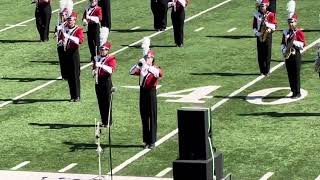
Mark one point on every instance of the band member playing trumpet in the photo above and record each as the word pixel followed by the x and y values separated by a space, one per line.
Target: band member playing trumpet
pixel 264 24
pixel 293 41
pixel 149 75
pixel 103 67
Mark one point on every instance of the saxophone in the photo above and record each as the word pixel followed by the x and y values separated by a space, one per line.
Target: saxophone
pixel 264 30
pixel 289 47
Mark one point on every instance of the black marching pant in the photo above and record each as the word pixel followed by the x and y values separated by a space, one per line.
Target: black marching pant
pixel 148 113
pixel 62 62
pixel 43 16
pixel 73 68
pixel 293 65
pixel 103 92
pixel 273 6
pixel 106 13
pixel 264 54
pixel 177 18
pixel 93 35
pixel 159 11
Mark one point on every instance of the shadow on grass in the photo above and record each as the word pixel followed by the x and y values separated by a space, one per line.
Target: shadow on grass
pixel 28 101
pixel 28 79
pixel 278 114
pixel 60 126
pixel 224 74
pixel 151 46
pixel 130 31
pixel 233 37
pixel 18 41
pixel 303 61
pixel 87 146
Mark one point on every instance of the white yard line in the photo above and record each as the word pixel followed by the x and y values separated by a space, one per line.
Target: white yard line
pixel 23 22
pixel 135 28
pixel 70 166
pixel 266 176
pixel 232 29
pixel 164 172
pixel 199 29
pixel 20 165
pixel 120 50
pixel 318 178
pixel 14 25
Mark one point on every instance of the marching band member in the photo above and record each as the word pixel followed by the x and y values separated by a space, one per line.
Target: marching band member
pixel 66 7
pixel 106 13
pixel 92 17
pixel 159 10
pixel 71 36
pixel 103 67
pixel 149 74
pixel 293 41
pixel 43 17
pixel 264 24
pixel 177 17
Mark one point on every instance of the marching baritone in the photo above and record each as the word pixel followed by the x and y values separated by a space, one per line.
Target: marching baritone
pixel 264 24
pixel 149 75
pixel 43 17
pixel 92 17
pixel 103 67
pixel 70 37
pixel 293 41
pixel 177 18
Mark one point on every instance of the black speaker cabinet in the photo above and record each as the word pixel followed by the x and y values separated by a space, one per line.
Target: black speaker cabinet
pixel 192 169
pixel 193 133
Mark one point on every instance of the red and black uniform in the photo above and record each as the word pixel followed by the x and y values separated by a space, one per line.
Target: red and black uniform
pixel 177 18
pixel 70 39
pixel 293 63
pixel 264 48
pixel 107 65
pixel 148 81
pixel 43 17
pixel 106 13
pixel 159 10
pixel 93 16
pixel 61 50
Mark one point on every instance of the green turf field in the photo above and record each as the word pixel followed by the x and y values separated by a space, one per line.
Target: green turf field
pixel 50 132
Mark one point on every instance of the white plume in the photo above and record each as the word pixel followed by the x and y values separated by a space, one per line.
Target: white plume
pixel 145 45
pixel 104 33
pixel 291 7
pixel 69 6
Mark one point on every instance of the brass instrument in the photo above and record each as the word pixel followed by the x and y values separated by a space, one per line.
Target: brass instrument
pixel 289 48
pixel 264 30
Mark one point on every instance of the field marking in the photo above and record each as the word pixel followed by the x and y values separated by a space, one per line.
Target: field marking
pixel 70 166
pixel 318 178
pixel 20 165
pixel 199 29
pixel 266 176
pixel 232 29
pixel 164 172
pixel 135 28
pixel 13 25
pixel 119 50
pixel 23 22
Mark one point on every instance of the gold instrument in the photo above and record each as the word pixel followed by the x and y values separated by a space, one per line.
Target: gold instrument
pixel 264 30
pixel 289 47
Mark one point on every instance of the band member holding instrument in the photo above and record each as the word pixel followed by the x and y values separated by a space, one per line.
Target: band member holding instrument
pixel 71 36
pixel 43 17
pixel 293 41
pixel 149 75
pixel 264 24
pixel 92 17
pixel 103 68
